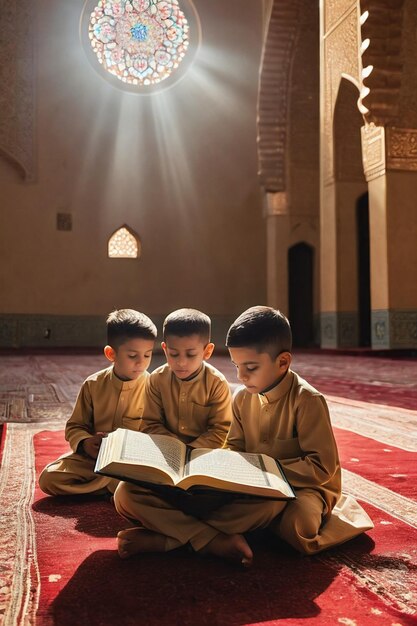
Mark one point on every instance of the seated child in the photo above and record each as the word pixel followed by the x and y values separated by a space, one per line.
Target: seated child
pixel 188 398
pixel 276 413
pixel 109 399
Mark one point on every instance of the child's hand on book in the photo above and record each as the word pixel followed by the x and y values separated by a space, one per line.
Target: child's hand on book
pixel 91 445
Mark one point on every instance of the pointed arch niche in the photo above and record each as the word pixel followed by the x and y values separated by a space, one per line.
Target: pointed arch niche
pixel 124 243
pixel 350 184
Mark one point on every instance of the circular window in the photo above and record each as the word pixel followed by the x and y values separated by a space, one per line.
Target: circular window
pixel 140 46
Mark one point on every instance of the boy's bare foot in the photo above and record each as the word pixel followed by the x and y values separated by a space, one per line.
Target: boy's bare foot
pixel 135 540
pixel 232 547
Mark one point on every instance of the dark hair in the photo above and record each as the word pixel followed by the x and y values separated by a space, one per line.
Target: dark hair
pixel 127 324
pixel 185 322
pixel 263 328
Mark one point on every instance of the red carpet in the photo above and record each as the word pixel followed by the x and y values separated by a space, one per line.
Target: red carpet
pixel 59 566
pixel 82 580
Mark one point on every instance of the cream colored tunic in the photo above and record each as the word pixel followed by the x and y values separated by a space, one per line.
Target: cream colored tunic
pixel 197 411
pixel 291 423
pixel 104 403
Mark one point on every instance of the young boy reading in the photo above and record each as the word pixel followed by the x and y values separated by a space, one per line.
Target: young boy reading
pixel 109 399
pixel 276 413
pixel 187 397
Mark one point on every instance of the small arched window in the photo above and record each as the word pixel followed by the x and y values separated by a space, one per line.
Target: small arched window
pixel 124 244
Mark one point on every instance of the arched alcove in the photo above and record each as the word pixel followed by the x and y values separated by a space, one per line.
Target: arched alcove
pixel 350 184
pixel 300 293
pixel 364 278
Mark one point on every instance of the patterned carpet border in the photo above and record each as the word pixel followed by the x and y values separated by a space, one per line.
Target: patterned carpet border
pixel 20 580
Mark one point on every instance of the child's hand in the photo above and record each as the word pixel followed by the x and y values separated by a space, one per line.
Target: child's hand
pixel 91 445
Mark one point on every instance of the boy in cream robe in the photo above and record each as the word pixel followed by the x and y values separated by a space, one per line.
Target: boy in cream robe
pixel 188 398
pixel 278 413
pixel 109 399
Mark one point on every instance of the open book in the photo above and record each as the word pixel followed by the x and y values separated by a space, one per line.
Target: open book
pixel 163 460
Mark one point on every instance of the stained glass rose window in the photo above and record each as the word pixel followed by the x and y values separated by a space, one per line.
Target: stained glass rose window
pixel 141 42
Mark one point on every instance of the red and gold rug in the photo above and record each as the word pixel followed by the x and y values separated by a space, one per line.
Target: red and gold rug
pixel 59 566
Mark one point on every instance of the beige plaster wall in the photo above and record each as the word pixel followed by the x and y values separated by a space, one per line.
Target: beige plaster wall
pixel 180 168
pixel 378 244
pixel 328 259
pixel 393 227
pixel 402 243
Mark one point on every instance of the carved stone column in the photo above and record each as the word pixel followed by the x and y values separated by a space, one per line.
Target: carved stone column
pixel 340 58
pixel 390 164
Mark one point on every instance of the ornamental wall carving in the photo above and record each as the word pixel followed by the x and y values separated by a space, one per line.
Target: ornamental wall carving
pixel 341 57
pixel 380 86
pixel 388 149
pixel 401 148
pixel 281 36
pixel 334 11
pixel 17 84
pixel 373 150
pixel 383 28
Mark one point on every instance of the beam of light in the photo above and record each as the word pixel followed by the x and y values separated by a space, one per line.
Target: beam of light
pixel 133 139
pixel 154 132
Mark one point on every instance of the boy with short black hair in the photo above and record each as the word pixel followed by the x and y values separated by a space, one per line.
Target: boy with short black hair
pixel 278 413
pixel 187 397
pixel 108 399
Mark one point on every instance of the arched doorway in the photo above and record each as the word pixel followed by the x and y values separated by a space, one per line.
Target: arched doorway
pixel 300 296
pixel 364 277
pixel 350 184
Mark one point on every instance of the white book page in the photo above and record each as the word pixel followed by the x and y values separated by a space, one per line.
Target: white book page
pixel 160 451
pixel 242 468
pixel 110 449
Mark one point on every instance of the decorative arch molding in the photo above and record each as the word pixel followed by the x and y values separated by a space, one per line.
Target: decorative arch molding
pixel 347 123
pixel 383 59
pixel 364 42
pixel 304 231
pixel 281 37
pixel 341 59
pixel 17 85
